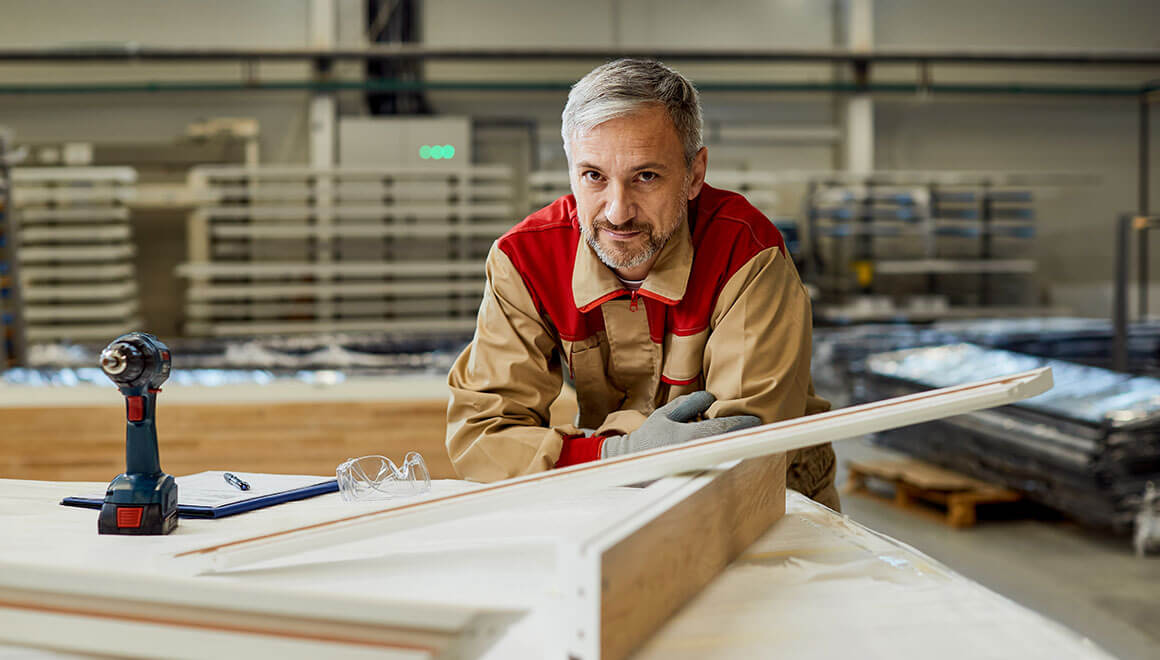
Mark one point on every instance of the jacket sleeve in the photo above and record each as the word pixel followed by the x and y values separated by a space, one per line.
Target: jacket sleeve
pixel 503 384
pixel 757 358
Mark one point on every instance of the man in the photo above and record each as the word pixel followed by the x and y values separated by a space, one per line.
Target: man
pixel 664 298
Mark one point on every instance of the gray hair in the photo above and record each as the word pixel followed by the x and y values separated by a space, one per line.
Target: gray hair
pixel 622 87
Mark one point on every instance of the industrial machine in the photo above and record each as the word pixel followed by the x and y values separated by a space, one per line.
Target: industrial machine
pixel 142 500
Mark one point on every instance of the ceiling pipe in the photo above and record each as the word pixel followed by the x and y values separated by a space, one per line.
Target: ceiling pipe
pixel 916 88
pixel 137 53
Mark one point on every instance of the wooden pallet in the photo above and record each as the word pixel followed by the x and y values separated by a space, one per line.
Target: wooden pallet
pixel 919 485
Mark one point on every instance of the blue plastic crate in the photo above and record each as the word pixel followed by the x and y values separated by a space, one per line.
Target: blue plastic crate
pixel 961 232
pixel 958 197
pixel 963 214
pixel 1012 196
pixel 1021 213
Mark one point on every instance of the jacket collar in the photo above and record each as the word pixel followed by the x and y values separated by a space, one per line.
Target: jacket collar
pixel 593 283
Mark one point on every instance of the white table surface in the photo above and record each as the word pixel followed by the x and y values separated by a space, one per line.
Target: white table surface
pixel 816 585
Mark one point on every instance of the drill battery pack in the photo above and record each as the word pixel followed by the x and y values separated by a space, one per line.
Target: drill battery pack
pixel 136 519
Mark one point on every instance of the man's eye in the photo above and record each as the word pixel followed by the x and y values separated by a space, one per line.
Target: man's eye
pixel 648 177
pixel 591 176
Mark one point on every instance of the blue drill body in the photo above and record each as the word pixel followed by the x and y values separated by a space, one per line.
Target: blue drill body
pixel 143 500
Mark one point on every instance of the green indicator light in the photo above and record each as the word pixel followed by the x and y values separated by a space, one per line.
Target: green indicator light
pixel 436 152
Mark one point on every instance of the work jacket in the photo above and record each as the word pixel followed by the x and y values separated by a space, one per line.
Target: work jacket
pixel 722 309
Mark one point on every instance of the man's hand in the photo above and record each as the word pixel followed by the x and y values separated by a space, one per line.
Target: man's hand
pixel 673 424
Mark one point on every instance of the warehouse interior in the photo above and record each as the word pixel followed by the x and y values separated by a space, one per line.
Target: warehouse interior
pixel 302 201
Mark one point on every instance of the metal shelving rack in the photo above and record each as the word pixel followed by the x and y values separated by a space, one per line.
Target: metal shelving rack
pixel 78 279
pixel 932 229
pixel 291 250
pixel 12 343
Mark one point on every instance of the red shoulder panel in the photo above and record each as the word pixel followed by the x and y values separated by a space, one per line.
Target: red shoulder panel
pixel 543 249
pixel 727 232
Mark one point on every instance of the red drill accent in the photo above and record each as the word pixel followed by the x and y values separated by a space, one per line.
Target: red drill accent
pixel 136 408
pixel 129 516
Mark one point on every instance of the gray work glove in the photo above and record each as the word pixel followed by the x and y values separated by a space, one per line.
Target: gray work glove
pixel 673 424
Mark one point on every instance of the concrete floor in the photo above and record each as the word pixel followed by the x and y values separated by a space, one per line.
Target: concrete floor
pixel 1087 581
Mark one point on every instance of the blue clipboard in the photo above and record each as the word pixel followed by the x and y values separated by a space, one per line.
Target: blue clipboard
pixel 233 508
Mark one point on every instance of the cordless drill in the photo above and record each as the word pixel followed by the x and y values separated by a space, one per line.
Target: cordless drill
pixel 143 500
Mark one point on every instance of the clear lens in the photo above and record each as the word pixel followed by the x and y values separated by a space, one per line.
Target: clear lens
pixel 371 478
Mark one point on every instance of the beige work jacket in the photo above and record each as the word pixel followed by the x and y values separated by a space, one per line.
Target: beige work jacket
pixel 753 354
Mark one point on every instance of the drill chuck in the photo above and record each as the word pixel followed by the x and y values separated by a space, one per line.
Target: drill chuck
pixel 135 361
pixel 122 362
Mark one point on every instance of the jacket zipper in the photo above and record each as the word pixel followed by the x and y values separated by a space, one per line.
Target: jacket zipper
pixel 632 302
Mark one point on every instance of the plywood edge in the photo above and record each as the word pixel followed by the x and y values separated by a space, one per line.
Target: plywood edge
pixel 652 573
pixel 265 621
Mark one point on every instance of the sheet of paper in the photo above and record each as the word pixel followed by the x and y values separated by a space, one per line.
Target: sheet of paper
pixel 210 488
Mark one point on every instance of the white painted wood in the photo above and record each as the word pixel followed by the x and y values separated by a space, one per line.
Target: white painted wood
pixel 314 289
pixel 99 214
pixel 118 290
pixel 66 312
pixel 54 175
pixel 86 253
pixel 75 237
pixel 86 273
pixel 74 233
pixel 88 330
pixel 277 223
pixel 866 583
pixel 242 329
pixel 138 615
pixel 360 191
pixel 224 312
pixel 362 269
pixel 27 196
pixel 96 635
pixel 362 212
pixel 635 468
pixel 212 173
pixel 425 230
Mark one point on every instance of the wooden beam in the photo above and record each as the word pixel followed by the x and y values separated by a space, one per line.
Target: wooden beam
pixel 634 468
pixel 649 575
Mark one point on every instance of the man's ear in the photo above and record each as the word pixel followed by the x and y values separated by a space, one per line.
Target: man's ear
pixel 697 172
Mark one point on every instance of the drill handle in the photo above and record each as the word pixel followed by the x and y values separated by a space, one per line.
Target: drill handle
pixel 141 455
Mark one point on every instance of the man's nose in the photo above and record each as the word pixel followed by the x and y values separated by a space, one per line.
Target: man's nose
pixel 619 207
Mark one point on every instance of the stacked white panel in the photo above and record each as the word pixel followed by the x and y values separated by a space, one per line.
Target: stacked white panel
pixel 286 250
pixel 78 280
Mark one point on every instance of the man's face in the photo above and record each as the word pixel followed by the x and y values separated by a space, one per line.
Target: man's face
pixel 632 187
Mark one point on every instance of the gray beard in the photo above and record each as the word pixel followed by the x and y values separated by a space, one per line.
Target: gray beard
pixel 612 262
pixel 650 249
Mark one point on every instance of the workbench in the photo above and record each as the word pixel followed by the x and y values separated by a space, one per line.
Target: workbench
pixel 815 585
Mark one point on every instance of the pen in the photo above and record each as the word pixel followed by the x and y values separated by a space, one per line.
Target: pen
pixel 234 481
